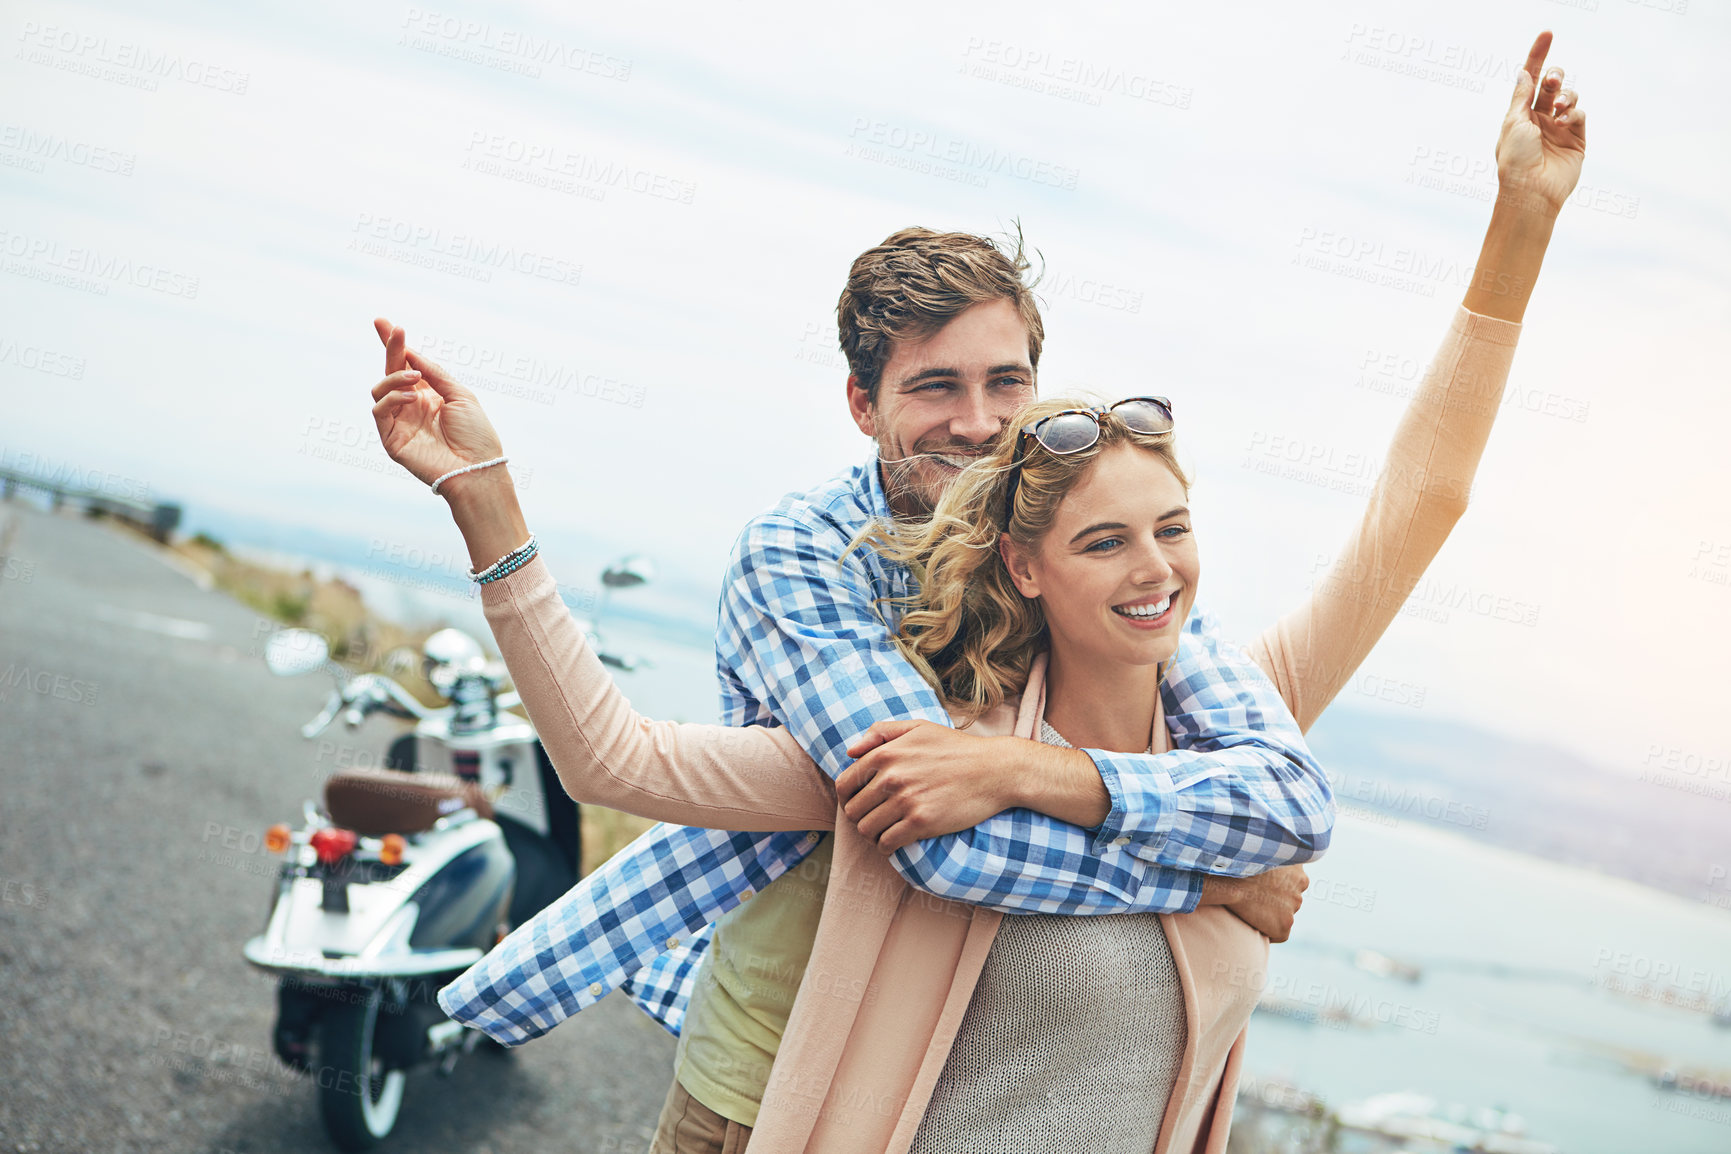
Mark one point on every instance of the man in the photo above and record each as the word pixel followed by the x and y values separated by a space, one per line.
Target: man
pixel 943 340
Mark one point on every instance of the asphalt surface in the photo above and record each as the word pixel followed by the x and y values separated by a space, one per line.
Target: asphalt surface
pixel 144 747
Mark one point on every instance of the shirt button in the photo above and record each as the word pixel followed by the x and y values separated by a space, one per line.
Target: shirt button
pixel 1120 841
pixel 595 988
pixel 811 838
pixel 746 896
pixel 672 943
pixel 1222 862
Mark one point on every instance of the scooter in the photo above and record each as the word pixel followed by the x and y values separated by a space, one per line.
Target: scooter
pixel 406 876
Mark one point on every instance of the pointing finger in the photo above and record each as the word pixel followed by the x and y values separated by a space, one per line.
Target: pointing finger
pixel 1536 55
pixel 394 362
pixel 1528 80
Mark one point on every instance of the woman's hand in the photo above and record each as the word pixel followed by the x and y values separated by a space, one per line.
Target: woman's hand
pixel 428 423
pixel 1544 137
pixel 1539 154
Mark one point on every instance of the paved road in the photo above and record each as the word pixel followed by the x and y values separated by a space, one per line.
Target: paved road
pixel 133 778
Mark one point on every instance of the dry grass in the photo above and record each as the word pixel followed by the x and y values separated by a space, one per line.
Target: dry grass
pixel 606 832
pixel 359 639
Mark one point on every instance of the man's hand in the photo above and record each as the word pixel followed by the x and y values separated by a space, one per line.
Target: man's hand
pixel 918 779
pixel 1543 139
pixel 1267 902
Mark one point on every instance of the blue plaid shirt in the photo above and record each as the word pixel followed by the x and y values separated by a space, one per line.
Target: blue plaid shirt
pixel 805 641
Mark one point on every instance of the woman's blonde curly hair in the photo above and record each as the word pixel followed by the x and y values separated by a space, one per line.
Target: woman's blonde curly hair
pixel 968 630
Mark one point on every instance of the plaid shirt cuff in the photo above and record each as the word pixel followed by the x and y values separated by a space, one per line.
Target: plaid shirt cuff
pixel 1143 811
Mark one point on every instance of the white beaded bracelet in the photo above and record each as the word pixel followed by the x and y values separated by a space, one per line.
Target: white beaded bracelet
pixel 468 469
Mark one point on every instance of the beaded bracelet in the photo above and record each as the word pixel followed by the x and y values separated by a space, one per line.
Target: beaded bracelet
pixel 468 469
pixel 509 563
pixel 509 567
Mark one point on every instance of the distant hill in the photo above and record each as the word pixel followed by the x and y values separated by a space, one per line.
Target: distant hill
pixel 1524 796
pixel 674 607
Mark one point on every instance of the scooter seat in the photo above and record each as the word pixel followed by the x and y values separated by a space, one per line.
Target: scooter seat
pixel 374 802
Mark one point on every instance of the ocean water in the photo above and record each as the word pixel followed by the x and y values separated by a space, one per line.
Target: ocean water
pixel 1548 991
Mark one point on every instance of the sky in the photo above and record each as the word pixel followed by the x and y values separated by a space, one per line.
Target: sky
pixel 626 228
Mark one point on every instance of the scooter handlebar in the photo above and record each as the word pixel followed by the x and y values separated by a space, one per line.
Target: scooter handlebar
pixel 329 714
pixel 363 695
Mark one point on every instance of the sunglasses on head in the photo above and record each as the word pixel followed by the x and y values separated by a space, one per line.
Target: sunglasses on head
pixel 1073 430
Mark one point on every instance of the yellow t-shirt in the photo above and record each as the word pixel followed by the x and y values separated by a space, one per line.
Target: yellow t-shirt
pixel 746 987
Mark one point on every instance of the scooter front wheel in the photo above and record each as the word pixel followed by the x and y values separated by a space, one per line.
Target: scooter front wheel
pixel 359 1099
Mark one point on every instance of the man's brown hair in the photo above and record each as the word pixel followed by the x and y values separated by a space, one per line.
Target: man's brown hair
pixel 916 282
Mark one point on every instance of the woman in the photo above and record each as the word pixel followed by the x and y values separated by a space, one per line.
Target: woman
pixel 856 1071
pixel 1057 568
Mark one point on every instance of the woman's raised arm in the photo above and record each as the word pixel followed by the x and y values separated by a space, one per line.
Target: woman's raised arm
pixel 1312 651
pixel 714 776
pixel 1428 475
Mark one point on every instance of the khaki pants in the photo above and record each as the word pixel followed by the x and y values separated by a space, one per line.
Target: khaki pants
pixel 687 1126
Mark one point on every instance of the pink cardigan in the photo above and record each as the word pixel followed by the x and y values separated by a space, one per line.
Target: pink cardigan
pixel 892 968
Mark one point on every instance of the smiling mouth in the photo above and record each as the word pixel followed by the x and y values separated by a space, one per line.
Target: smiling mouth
pixel 1146 610
pixel 953 461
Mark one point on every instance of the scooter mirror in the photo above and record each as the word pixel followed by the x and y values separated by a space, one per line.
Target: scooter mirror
pixel 455 648
pixel 291 652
